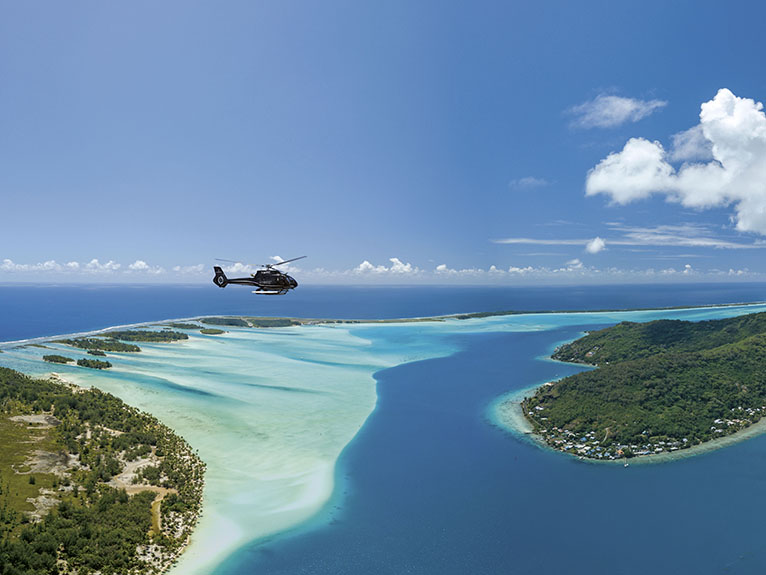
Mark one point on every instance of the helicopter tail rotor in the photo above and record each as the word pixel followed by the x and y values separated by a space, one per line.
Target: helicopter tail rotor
pixel 220 277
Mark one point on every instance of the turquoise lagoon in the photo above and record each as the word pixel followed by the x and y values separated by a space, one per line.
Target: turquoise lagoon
pixel 431 483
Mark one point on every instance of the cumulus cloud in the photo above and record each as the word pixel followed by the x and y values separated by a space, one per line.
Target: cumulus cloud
pixel 632 174
pixel 595 245
pixel 736 130
pixel 11 266
pixel 574 264
pixel 606 111
pixel 691 146
pixel 442 269
pixel 95 266
pixel 397 267
pixel 142 267
pixel 139 265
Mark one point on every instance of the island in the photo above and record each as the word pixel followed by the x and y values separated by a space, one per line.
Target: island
pixel 89 484
pixel 658 387
pixel 99 344
pixel 180 325
pixel 54 358
pixel 148 336
pixel 93 363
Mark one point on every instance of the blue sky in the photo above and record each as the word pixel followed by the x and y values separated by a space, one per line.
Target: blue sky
pixel 399 142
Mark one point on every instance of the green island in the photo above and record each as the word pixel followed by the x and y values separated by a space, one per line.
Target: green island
pixel 96 352
pixel 147 336
pixel 211 331
pixel 57 358
pixel 660 386
pixel 94 363
pixel 99 344
pixel 180 325
pixel 228 321
pixel 89 484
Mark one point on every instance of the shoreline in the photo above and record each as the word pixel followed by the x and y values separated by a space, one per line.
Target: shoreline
pixel 216 528
pixel 351 321
pixel 506 413
pixel 284 473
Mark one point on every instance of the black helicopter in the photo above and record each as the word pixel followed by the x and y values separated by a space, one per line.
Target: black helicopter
pixel 269 280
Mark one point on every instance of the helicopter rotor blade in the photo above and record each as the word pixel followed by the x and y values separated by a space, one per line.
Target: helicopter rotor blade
pixel 286 261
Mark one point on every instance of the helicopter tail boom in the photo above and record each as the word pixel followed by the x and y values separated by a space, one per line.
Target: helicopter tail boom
pixel 220 278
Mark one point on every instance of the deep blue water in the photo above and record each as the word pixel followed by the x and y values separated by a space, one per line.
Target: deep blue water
pixel 36 311
pixel 429 486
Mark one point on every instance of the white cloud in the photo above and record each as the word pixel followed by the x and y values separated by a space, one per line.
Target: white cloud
pixel 366 267
pixel 691 146
pixel 442 269
pixel 684 235
pixel 632 174
pixel 95 266
pixel 142 267
pixel 139 265
pixel 10 266
pixel 736 128
pixel 595 245
pixel 574 264
pixel 398 267
pixel 520 271
pixel 610 111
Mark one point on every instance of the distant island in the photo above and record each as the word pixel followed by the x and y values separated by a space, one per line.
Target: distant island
pixel 660 386
pixel 89 484
pixel 114 341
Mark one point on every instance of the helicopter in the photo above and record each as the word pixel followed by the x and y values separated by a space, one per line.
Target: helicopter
pixel 269 280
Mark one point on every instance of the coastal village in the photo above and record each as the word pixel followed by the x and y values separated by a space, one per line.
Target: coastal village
pixel 593 445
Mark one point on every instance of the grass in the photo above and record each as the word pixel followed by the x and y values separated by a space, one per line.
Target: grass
pixel 17 442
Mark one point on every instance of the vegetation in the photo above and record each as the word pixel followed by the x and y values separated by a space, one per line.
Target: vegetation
pixel 98 343
pixel 94 363
pixel 58 448
pixel 661 386
pixel 177 325
pixel 164 336
pixel 230 321
pixel 57 359
pixel 272 321
pixel 628 340
pixel 96 352
pixel 211 331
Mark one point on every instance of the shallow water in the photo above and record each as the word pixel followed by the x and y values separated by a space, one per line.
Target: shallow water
pixel 429 484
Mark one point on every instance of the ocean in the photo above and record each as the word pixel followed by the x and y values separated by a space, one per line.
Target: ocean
pixel 29 311
pixel 429 484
